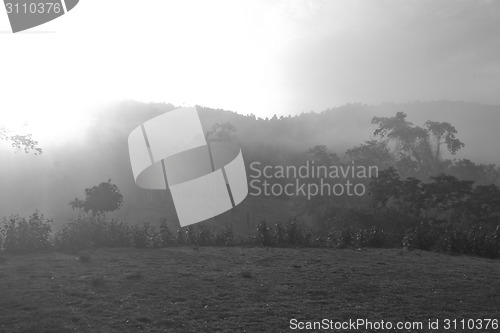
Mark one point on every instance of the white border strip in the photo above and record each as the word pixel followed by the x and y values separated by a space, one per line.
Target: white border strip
pixel 63 2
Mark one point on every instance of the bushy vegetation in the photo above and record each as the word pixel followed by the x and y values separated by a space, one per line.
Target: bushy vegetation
pixel 480 240
pixel 294 234
pixel 289 234
pixel 360 228
pixel 20 235
pixel 446 215
pixel 88 231
pixel 420 199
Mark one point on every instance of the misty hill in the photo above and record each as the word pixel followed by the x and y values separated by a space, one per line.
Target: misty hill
pixel 338 128
pixel 342 127
pixel 49 181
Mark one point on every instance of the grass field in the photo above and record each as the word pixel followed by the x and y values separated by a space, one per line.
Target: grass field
pixel 239 289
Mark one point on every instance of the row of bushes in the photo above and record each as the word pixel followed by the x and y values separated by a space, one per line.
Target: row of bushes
pixel 293 234
pixel 476 239
pixel 290 234
pixel 92 231
pixel 20 235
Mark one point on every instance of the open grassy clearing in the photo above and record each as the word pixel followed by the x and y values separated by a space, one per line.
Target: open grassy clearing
pixel 239 289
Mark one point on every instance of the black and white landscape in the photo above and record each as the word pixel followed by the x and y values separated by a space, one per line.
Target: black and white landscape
pixel 369 133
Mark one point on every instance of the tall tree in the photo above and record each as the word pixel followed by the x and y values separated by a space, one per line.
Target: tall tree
pixel 419 150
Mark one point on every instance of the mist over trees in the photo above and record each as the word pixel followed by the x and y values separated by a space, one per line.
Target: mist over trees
pixel 424 151
pixel 418 150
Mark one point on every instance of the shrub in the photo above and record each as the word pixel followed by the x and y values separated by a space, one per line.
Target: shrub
pixel 294 233
pixel 473 239
pixel 476 239
pixel 141 236
pixel 225 237
pixel 308 238
pixel 491 245
pixel 87 231
pixel 341 238
pixel 379 238
pixel 373 237
pixel 320 242
pixel 191 235
pixel 264 234
pixel 24 236
pixel 279 235
pixel 484 240
pixel 204 237
pixel 454 241
pixel 83 232
pixel 421 237
pixel 117 234
pixel 291 234
pixel 180 237
pixel 167 238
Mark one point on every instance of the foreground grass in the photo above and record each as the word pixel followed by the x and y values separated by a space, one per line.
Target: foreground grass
pixel 239 289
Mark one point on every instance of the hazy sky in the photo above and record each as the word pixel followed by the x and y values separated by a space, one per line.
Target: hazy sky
pixel 262 57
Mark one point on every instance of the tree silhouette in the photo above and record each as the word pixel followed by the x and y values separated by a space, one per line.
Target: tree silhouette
pixel 100 199
pixel 419 148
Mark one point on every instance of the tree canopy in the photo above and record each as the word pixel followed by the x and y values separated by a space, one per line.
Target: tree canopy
pixel 419 149
pixel 100 199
